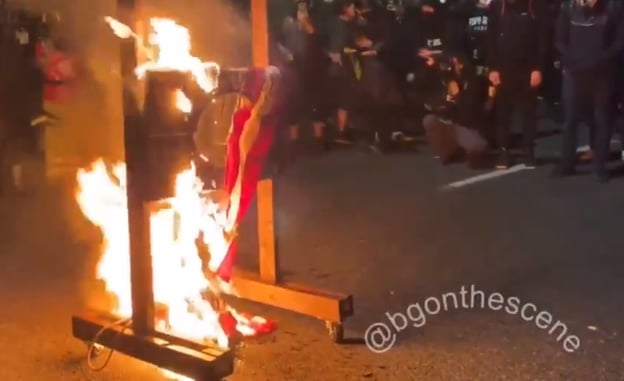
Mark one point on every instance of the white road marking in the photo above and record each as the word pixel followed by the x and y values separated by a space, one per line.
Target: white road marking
pixel 486 176
pixel 614 144
pixel 516 168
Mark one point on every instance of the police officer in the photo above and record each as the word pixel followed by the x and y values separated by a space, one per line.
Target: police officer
pixel 475 46
pixel 518 42
pixel 433 26
pixel 432 36
pixel 477 35
pixel 551 87
pixel 589 36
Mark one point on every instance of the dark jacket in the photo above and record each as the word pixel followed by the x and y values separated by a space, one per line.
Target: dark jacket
pixel 476 35
pixel 517 35
pixel 398 52
pixel 431 31
pixel 590 41
pixel 468 107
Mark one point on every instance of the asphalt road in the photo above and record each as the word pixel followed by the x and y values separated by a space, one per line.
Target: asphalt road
pixel 382 229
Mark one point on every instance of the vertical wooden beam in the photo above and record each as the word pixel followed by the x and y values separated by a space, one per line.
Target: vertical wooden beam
pixel 259 33
pixel 266 232
pixel 140 256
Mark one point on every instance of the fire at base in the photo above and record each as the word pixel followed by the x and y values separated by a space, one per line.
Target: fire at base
pixel 180 282
pixel 191 234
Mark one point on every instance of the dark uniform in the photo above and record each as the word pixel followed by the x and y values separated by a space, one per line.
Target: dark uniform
pixel 433 32
pixel 433 28
pixel 475 46
pixel 551 88
pixel 518 43
pixel 397 52
pixel 589 40
pixel 477 38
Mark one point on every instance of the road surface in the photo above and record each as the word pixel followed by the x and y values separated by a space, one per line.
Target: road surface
pixel 383 229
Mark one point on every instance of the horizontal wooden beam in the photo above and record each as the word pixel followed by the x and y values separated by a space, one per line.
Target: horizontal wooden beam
pixel 194 360
pixel 304 300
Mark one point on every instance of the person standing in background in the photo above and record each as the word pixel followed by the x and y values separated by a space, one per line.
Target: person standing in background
pixel 341 36
pixel 517 47
pixel 307 67
pixel 589 37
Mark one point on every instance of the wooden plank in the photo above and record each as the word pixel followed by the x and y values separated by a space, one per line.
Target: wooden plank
pixel 202 363
pixel 266 232
pixel 304 300
pixel 260 33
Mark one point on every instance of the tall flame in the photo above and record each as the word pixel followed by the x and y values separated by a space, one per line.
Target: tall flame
pixel 179 278
pixel 179 259
pixel 178 273
pixel 169 48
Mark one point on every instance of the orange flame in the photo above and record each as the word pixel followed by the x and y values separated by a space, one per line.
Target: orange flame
pixel 178 276
pixel 169 48
pixel 182 102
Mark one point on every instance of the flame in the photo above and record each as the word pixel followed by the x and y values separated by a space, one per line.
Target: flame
pixel 121 30
pixel 172 45
pixel 182 102
pixel 179 279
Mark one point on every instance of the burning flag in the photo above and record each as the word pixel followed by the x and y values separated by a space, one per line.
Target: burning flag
pixel 253 127
pixel 251 136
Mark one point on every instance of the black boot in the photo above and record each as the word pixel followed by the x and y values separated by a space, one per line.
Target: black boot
pixel 344 137
pixel 562 171
pixel 529 159
pixel 602 174
pixel 504 159
pixel 380 143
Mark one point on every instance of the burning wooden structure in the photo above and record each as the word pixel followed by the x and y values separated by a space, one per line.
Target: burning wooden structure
pixel 158 142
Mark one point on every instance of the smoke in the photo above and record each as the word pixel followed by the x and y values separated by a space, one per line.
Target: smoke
pixel 220 31
pixel 91 124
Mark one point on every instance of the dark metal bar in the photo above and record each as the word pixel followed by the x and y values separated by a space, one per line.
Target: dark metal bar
pixel 194 360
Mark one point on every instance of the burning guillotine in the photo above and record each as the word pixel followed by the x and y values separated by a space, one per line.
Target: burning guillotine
pixel 156 130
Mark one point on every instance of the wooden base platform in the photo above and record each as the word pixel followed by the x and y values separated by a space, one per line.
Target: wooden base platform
pixel 194 360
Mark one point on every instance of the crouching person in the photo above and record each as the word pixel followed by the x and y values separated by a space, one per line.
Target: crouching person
pixel 452 127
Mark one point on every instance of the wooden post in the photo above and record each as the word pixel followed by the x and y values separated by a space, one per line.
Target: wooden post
pixel 259 33
pixel 266 232
pixel 134 147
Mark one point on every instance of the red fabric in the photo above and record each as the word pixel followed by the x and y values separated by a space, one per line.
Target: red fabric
pixel 252 172
pixel 57 67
